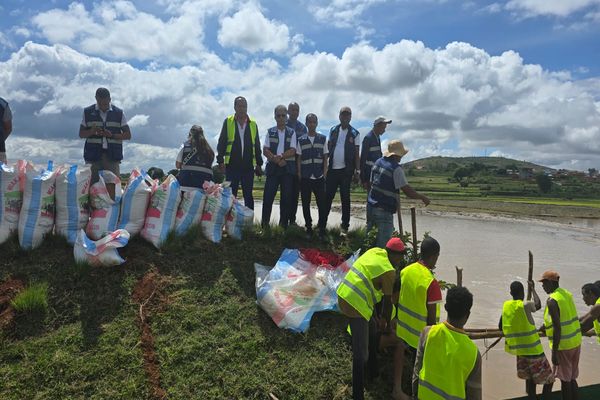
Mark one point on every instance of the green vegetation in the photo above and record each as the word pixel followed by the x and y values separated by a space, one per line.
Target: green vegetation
pixel 32 299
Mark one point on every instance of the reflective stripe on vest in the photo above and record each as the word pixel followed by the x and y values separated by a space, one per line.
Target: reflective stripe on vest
pixel 93 146
pixel 597 324
pixel 448 360
pixel 231 138
pixel 357 287
pixel 195 167
pixel 522 338
pixel 412 303
pixel 570 329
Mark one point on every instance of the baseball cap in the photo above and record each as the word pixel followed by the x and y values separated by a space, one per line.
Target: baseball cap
pixel 381 119
pixel 395 244
pixel 550 276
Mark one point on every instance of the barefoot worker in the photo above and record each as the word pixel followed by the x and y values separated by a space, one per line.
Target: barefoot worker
pixel 369 280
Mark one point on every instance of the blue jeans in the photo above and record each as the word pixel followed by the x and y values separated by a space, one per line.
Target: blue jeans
pixel 272 184
pixel 384 221
pixel 246 178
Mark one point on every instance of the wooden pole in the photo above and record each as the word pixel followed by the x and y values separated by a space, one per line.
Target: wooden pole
pixel 529 275
pixel 459 272
pixel 413 219
pixel 400 229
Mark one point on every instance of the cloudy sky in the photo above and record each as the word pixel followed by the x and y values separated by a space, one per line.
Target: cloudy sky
pixel 518 78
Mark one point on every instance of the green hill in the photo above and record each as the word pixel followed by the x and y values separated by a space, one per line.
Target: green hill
pixel 449 164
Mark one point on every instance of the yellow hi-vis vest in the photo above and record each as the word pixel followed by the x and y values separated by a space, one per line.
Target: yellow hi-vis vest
pixel 412 308
pixel 570 329
pixel 597 324
pixel 522 339
pixel 448 360
pixel 357 288
pixel 231 137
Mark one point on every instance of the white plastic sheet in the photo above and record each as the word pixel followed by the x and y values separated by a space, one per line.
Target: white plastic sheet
pixel 102 252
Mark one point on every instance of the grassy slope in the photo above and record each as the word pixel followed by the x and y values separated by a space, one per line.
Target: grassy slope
pixel 212 340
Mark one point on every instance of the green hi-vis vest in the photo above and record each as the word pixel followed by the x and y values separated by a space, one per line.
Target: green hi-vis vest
pixel 357 287
pixel 597 324
pixel 522 339
pixel 448 360
pixel 570 330
pixel 412 304
pixel 231 137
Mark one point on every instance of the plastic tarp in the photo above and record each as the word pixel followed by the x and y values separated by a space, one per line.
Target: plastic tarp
pixel 294 289
pixel 101 252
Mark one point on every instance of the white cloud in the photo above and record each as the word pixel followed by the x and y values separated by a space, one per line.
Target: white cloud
pixel 341 13
pixel 118 30
pixel 248 29
pixel 438 99
pixel 559 8
pixel 138 120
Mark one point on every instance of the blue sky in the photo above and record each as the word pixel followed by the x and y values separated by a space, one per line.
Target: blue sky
pixel 518 78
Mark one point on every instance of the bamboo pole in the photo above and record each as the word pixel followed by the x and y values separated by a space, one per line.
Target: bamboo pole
pixel 459 276
pixel 400 229
pixel 529 275
pixel 476 334
pixel 413 219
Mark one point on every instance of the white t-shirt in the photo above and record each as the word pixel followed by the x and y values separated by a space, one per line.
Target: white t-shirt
pixel 103 116
pixel 339 151
pixel 241 131
pixel 281 145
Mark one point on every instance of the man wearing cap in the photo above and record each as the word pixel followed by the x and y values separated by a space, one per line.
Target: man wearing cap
pixel 300 129
pixel 239 153
pixel 5 127
pixel 523 340
pixel 104 127
pixel 418 306
pixel 591 297
pixel 343 163
pixel 564 333
pixel 370 280
pixel 387 179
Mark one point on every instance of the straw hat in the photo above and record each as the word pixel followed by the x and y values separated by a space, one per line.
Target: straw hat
pixel 395 148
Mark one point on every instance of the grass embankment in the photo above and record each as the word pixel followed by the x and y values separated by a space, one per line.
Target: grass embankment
pixel 211 339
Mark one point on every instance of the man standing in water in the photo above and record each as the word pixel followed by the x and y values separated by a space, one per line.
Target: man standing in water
pixel 523 340
pixel 564 334
pixel 591 297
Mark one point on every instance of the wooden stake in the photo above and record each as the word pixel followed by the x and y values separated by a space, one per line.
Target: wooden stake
pixel 413 219
pixel 458 276
pixel 529 275
pixel 400 229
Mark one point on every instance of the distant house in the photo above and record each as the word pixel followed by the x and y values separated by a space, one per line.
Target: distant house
pixel 526 173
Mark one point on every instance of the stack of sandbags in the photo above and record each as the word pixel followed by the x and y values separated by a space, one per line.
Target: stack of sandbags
pixel 12 184
pixel 104 214
pixel 36 218
pixel 219 201
pixel 189 212
pixel 135 200
pixel 72 200
pixel 239 219
pixel 161 214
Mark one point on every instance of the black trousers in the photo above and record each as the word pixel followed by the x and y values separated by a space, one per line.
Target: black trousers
pixel 339 178
pixel 307 188
pixel 364 353
pixel 294 199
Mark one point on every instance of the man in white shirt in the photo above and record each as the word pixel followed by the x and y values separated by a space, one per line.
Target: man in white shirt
pixel 280 150
pixel 344 162
pixel 5 127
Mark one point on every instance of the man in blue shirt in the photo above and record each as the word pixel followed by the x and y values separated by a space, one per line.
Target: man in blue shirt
pixel 300 129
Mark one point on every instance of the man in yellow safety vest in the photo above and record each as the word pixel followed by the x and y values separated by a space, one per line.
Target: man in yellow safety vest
pixel 369 281
pixel 448 364
pixel 418 306
pixel 591 297
pixel 523 339
pixel 564 333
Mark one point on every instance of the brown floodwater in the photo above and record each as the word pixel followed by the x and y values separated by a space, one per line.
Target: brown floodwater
pixel 493 251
